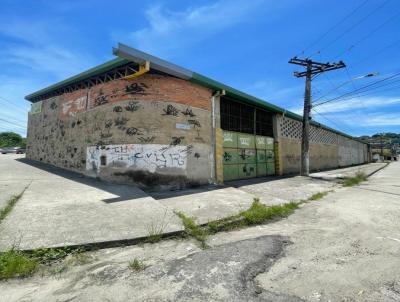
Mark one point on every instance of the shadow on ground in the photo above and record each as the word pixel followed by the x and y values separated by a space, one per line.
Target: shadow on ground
pixel 124 192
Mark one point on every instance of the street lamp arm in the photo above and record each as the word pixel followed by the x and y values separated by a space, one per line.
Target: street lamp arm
pixel 368 75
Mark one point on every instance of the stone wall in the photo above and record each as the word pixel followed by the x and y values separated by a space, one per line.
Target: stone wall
pixel 328 150
pixel 153 130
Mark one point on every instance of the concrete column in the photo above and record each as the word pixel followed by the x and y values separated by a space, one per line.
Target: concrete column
pixel 219 152
pixel 277 119
pixel 217 140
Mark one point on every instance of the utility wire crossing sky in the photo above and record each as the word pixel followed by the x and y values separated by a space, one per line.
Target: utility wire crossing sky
pixel 246 45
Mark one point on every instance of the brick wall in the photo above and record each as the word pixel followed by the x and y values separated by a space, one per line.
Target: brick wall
pixel 157 124
pixel 150 87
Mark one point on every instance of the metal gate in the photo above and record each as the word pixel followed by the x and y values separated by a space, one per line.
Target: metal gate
pixel 246 155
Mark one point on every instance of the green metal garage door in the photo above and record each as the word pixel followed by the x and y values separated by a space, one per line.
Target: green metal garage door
pixel 247 156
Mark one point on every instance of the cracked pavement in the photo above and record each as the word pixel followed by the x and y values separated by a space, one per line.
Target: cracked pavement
pixel 344 247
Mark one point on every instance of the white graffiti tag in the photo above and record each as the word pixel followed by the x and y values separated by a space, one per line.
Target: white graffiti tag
pixel 149 157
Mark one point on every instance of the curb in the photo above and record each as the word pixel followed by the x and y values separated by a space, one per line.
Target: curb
pixel 108 243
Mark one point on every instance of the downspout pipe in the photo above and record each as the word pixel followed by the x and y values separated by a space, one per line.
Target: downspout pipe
pixel 215 95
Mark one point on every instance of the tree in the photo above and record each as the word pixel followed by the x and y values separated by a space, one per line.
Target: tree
pixel 10 139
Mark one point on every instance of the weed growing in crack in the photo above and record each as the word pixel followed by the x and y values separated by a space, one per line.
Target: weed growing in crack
pixel 137 265
pixel 194 230
pixel 15 264
pixel 353 181
pixel 317 196
pixel 10 205
pixel 259 213
pixel 156 229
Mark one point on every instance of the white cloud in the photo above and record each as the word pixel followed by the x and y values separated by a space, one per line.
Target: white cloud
pixel 57 61
pixel 30 59
pixel 171 30
pixel 35 45
pixel 376 119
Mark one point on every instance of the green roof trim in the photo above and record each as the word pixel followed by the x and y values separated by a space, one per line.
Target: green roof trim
pixel 192 77
pixel 241 96
pixel 114 63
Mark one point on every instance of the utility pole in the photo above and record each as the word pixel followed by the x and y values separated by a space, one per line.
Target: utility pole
pixel 312 68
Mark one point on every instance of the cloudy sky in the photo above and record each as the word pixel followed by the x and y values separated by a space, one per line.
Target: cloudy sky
pixel 245 44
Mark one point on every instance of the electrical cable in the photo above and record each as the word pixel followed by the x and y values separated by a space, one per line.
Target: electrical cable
pixel 376 53
pixel 11 103
pixel 328 119
pixel 334 26
pixel 367 36
pixel 369 93
pixel 359 89
pixel 367 90
pixel 353 27
pixel 11 123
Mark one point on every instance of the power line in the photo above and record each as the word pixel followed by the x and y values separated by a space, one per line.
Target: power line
pixel 359 89
pixel 354 26
pixel 14 119
pixel 341 85
pixel 368 93
pixel 11 123
pixel 350 78
pixel 328 119
pixel 377 52
pixel 369 89
pixel 334 26
pixel 4 129
pixel 367 35
pixel 11 103
pixel 363 88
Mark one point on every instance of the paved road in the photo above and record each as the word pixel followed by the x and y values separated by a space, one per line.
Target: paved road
pixel 345 247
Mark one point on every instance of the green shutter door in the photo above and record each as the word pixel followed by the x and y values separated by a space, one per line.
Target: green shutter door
pixel 247 156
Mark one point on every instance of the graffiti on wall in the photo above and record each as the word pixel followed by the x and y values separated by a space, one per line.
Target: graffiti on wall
pixel 136 88
pixel 72 107
pixel 148 157
pixel 171 110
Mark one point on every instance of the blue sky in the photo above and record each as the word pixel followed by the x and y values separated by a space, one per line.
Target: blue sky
pixel 245 44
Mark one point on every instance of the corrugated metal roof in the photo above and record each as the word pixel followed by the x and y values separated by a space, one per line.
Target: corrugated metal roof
pixel 135 55
pixel 109 65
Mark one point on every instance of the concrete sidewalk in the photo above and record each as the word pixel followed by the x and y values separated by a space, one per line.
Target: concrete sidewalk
pixel 61 208
pixel 349 172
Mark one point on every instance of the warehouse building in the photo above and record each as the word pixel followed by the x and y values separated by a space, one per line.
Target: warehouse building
pixel 142 120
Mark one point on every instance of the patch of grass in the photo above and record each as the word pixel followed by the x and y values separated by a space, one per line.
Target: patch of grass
pixel 15 264
pixel 194 230
pixel 137 265
pixel 58 269
pixel 51 255
pixel 317 196
pixel 226 224
pixel 259 213
pixel 9 206
pixel 353 181
pixel 156 229
pixel 80 258
pixel 154 237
